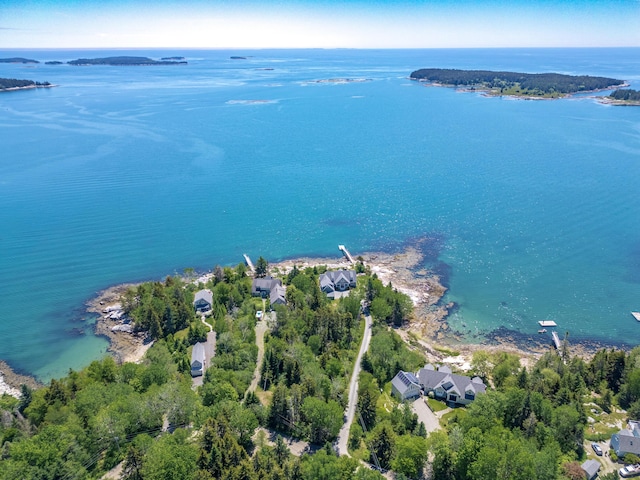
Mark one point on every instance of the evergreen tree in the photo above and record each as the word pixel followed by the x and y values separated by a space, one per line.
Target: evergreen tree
pixel 262 267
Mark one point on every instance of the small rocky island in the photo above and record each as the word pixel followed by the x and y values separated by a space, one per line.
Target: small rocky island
pixel 526 85
pixel 625 96
pixel 124 61
pixel 18 60
pixel 10 84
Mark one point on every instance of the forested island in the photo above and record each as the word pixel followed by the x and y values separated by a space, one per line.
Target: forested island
pixel 625 96
pixel 18 60
pixel 534 422
pixel 534 85
pixel 7 84
pixel 124 61
pixel 54 62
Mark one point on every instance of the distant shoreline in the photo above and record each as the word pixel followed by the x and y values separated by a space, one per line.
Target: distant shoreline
pixel 27 87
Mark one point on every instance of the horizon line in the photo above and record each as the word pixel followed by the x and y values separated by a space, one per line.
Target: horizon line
pixel 320 48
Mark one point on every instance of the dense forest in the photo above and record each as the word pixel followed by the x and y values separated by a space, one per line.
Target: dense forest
pixel 626 94
pixel 511 83
pixel 124 60
pixel 7 83
pixel 18 60
pixel 531 424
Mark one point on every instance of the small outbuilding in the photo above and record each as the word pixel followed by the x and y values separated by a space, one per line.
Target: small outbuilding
pixel 405 386
pixel 203 300
pixel 591 468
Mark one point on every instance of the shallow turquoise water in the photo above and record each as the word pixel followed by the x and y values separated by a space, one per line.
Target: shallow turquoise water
pixel 124 174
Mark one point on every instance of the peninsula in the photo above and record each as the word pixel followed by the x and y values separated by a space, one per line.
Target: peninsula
pixel 527 85
pixel 10 84
pixel 124 61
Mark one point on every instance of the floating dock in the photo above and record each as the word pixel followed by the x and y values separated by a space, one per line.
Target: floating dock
pixel 249 262
pixel 636 315
pixel 547 323
pixel 346 253
pixel 556 339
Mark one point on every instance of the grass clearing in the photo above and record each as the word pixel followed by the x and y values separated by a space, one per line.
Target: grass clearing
pixel 446 351
pixel 436 405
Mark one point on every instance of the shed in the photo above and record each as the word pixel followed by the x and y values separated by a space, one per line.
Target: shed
pixel 591 468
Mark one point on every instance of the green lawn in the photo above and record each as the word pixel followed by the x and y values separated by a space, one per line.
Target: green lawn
pixel 436 405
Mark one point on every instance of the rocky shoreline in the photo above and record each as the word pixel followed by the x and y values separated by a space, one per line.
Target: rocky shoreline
pixel 11 381
pixel 123 345
pixel 427 330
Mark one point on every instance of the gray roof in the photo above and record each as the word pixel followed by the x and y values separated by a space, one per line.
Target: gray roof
pixel 591 467
pixel 330 278
pixel 264 284
pixel 431 379
pixel 277 294
pixel 205 294
pixel 197 354
pixel 627 440
pixel 403 381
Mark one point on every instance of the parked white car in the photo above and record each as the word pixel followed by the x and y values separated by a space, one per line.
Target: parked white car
pixel 629 471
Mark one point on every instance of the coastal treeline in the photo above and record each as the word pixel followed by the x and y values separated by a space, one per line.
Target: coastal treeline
pixel 513 83
pixel 18 60
pixel 10 83
pixel 626 94
pixel 124 60
pixel 531 424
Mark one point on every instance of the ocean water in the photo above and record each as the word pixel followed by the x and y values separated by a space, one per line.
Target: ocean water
pixel 132 173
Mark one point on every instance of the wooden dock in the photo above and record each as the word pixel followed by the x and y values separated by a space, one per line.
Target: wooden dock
pixel 346 253
pixel 547 323
pixel 249 262
pixel 556 339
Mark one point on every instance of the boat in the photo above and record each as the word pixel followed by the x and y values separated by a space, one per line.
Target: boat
pixel 547 323
pixel 542 330
pixel 636 315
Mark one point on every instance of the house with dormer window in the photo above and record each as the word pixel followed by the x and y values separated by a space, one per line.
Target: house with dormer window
pixel 450 387
pixel 337 281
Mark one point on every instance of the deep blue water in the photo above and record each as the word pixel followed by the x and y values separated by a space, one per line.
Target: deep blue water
pixel 132 173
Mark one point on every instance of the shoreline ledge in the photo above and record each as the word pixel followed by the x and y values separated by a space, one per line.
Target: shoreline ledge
pixel 123 346
pixel 427 330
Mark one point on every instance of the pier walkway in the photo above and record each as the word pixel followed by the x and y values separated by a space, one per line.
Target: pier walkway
pixel 556 339
pixel 346 253
pixel 249 263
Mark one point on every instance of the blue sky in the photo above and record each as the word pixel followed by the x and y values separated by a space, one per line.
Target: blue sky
pixel 324 24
